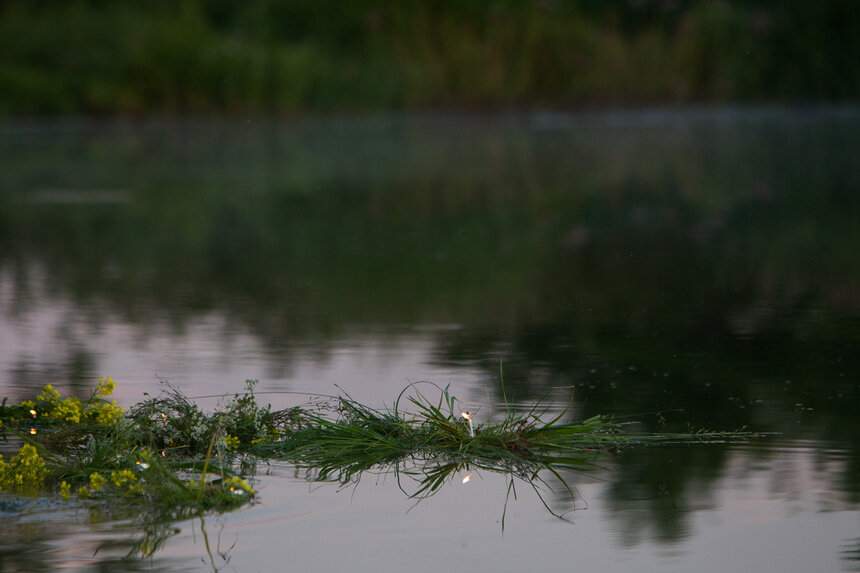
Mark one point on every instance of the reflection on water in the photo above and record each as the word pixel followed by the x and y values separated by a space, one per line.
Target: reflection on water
pixel 687 268
pixel 49 535
pixel 371 524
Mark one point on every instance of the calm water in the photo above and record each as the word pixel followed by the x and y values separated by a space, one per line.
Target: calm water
pixel 689 269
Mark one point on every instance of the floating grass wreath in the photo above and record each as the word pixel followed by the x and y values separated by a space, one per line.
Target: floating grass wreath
pixel 167 454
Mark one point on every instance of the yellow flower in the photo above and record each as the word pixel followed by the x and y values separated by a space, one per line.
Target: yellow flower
pixel 106 386
pixel 122 477
pixel 97 481
pixel 68 410
pixel 107 413
pixel 65 490
pixel 237 485
pixel 49 394
pixel 25 472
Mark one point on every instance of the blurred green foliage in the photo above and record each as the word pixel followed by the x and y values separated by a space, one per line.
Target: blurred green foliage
pixel 268 56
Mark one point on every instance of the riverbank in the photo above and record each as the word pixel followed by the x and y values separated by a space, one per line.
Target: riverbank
pixel 262 57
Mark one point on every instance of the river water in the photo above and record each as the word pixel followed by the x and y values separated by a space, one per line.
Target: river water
pixel 693 268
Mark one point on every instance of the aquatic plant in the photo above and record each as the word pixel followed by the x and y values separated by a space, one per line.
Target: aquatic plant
pixel 87 450
pixel 171 421
pixel 167 455
pixel 430 442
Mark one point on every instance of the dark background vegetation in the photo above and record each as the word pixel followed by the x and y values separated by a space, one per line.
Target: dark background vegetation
pixel 284 57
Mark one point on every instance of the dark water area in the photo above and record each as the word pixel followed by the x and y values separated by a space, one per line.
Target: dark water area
pixel 683 269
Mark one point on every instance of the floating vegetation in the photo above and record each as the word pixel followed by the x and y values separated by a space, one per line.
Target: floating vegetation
pixel 167 454
pixel 92 450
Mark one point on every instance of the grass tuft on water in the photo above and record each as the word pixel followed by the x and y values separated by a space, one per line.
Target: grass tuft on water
pixel 439 439
pixel 166 453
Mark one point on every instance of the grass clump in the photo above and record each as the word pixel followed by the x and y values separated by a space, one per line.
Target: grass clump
pixel 167 455
pixel 171 421
pixel 436 439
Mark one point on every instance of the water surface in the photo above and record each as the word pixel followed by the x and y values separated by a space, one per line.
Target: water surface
pixel 686 269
